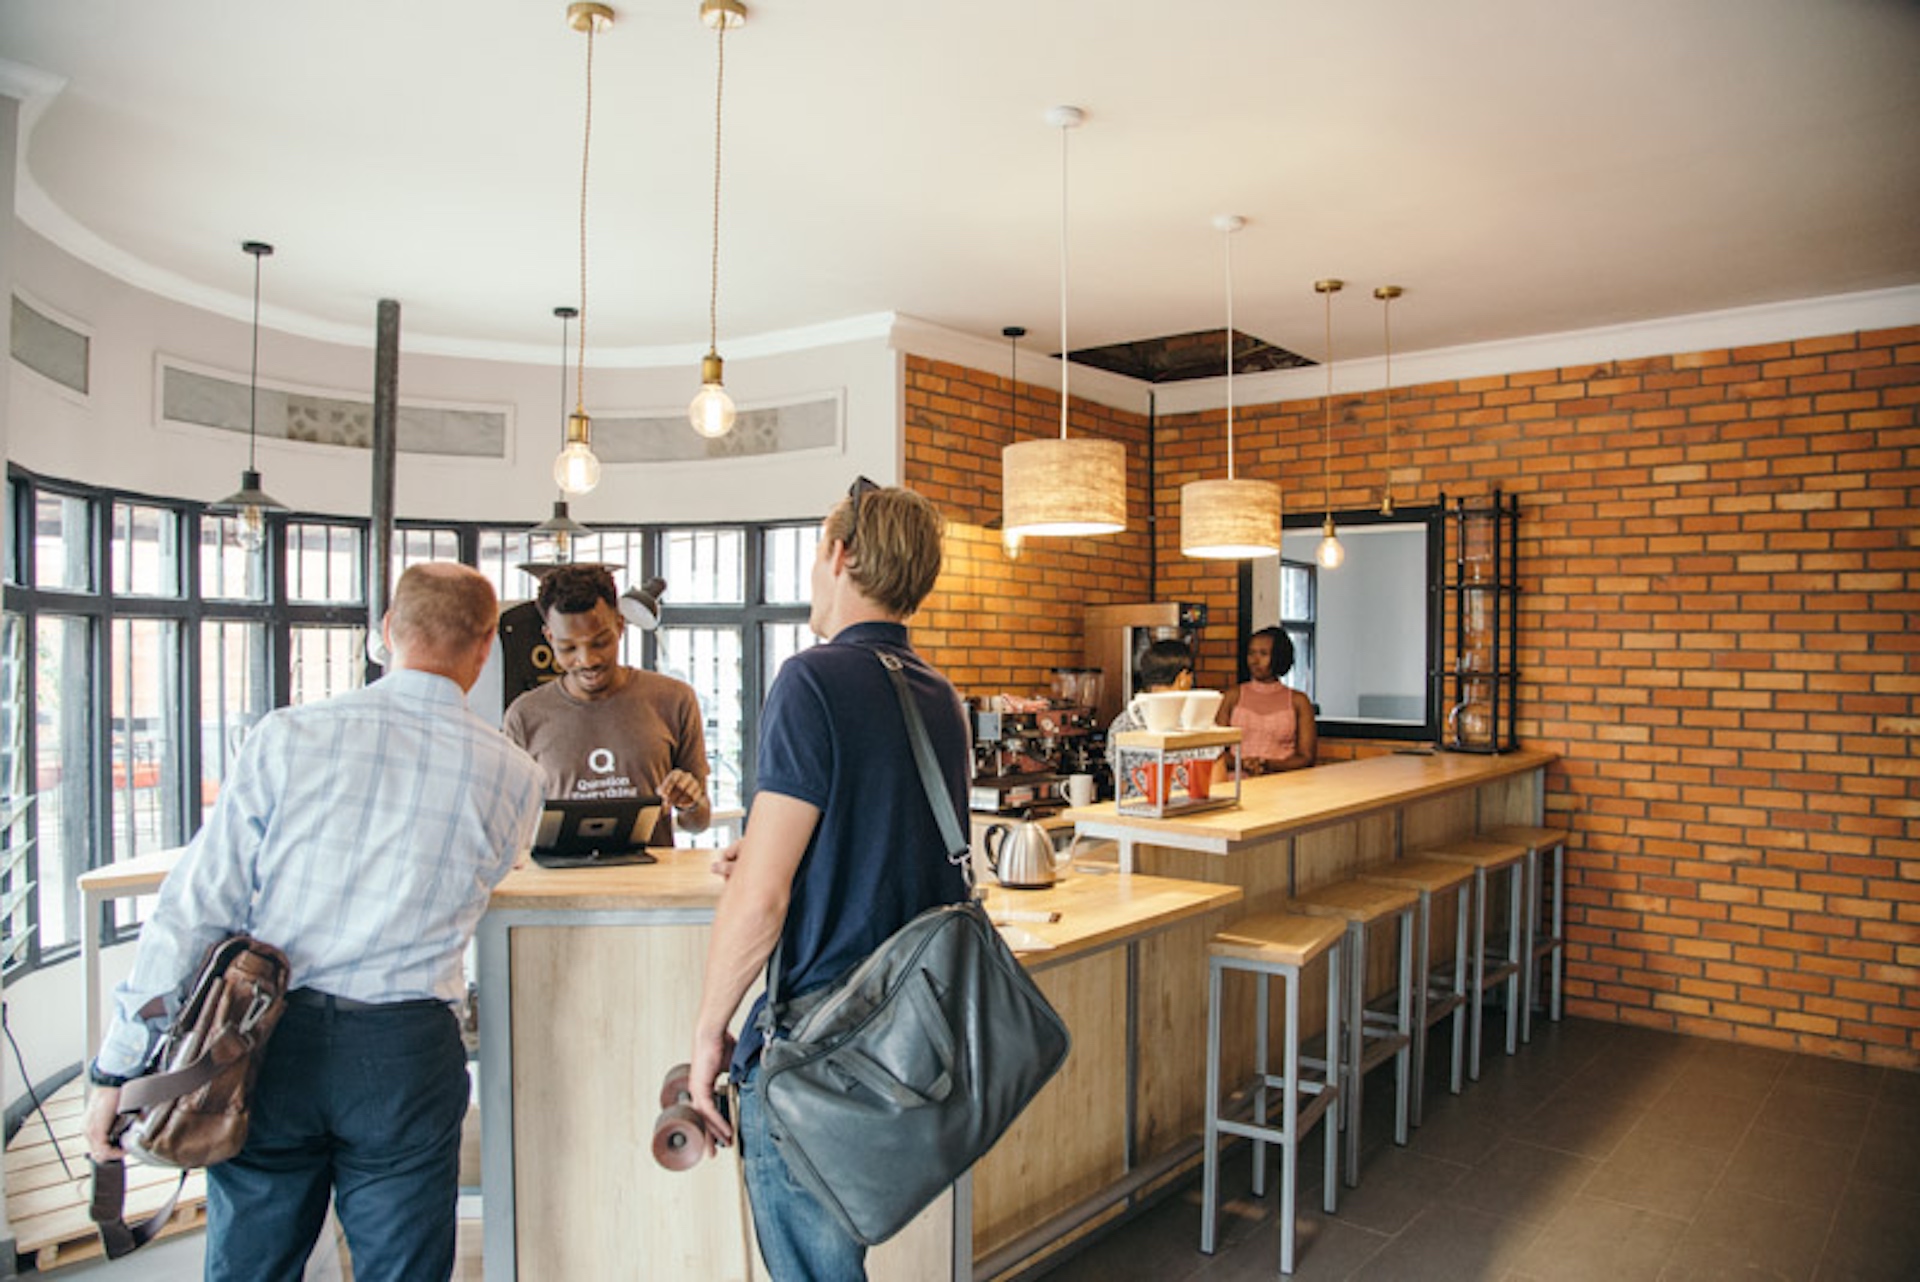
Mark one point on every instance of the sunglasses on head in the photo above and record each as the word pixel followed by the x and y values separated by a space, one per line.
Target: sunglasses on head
pixel 860 488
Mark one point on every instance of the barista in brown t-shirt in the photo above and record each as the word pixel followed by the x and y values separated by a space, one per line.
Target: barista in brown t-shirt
pixel 604 729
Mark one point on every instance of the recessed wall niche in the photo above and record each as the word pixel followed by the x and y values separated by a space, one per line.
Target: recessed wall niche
pixel 49 348
pixel 203 398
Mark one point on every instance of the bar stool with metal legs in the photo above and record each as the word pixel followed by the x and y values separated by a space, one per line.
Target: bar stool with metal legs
pixel 1546 940
pixel 1270 944
pixel 1372 1037
pixel 1436 993
pixel 1487 857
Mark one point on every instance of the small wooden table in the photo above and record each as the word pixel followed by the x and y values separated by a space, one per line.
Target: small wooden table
pixel 128 879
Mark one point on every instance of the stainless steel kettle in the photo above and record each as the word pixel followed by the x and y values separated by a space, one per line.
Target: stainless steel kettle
pixel 1021 857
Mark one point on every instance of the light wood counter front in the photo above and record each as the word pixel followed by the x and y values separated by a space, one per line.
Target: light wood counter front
pixel 589 982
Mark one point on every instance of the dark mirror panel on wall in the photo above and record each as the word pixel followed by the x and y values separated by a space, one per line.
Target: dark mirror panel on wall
pixel 1362 633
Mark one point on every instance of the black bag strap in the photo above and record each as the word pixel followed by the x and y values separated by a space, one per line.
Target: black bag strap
pixel 108 1210
pixel 959 849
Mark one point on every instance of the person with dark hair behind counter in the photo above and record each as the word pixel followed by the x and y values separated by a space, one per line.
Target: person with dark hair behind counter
pixel 1276 719
pixel 1166 665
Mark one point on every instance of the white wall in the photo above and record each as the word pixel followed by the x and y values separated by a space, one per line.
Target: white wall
pixel 114 436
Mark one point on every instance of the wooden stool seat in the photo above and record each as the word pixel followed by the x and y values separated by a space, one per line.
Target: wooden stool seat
pixel 1434 876
pixel 1280 939
pixel 1481 852
pixel 1546 941
pixel 1357 901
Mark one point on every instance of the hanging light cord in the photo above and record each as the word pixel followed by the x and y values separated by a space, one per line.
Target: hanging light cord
pixel 1326 438
pixel 1386 325
pixel 253 379
pixel 1066 353
pixel 713 288
pixel 1229 355
pixel 586 151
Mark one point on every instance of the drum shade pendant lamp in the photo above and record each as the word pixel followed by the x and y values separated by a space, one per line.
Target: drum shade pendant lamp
pixel 577 470
pixel 1330 555
pixel 1064 486
pixel 250 503
pixel 1386 294
pixel 561 529
pixel 712 412
pixel 1235 518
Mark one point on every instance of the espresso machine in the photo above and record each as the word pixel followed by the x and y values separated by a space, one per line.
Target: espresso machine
pixel 1025 746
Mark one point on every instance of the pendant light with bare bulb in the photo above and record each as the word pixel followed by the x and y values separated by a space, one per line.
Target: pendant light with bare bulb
pixel 1329 554
pixel 577 470
pixel 1063 486
pixel 560 528
pixel 712 412
pixel 1239 517
pixel 1386 294
pixel 250 504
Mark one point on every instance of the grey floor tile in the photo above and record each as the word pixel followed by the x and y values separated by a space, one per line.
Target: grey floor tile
pixel 1789 1168
pixel 1875 1238
pixel 1838 1074
pixel 1889 1151
pixel 1658 1175
pixel 1396 1187
pixel 1523 1181
pixel 1735 1069
pixel 1450 1245
pixel 1576 1122
pixel 1797 1107
pixel 1592 1240
pixel 1739 1231
pixel 1325 1249
pixel 1702 1117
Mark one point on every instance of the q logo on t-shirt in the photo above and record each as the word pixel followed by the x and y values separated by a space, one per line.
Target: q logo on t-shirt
pixel 600 761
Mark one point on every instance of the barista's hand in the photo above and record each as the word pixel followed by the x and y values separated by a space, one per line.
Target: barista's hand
pixel 681 790
pixel 727 860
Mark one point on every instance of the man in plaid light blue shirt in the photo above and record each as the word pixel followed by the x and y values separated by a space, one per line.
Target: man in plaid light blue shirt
pixel 363 835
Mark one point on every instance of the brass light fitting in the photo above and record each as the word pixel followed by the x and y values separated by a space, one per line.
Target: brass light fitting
pixel 1330 555
pixel 1386 294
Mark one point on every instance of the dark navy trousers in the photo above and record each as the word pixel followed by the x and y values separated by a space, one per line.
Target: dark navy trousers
pixel 363 1105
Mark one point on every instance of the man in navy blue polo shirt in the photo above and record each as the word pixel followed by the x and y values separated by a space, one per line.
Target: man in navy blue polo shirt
pixel 841 848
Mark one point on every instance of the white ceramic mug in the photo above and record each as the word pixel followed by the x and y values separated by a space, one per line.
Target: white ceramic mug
pixel 1079 790
pixel 1200 709
pixel 1159 711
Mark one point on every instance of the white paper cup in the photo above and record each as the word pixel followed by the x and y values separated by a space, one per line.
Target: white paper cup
pixel 1200 709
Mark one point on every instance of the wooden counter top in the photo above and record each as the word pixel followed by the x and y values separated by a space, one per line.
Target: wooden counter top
pixel 1276 804
pixel 1096 909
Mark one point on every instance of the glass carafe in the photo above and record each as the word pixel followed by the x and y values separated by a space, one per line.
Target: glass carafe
pixel 1470 723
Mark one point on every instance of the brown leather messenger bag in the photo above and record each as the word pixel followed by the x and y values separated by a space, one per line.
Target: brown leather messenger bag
pixel 189 1108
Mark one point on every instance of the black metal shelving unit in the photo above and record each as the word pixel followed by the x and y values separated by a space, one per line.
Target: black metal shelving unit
pixel 1478 675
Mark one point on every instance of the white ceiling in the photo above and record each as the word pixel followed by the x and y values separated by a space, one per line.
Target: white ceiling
pixel 1521 167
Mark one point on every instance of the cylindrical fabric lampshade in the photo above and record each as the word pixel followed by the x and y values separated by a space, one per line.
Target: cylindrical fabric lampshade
pixel 1063 486
pixel 1230 519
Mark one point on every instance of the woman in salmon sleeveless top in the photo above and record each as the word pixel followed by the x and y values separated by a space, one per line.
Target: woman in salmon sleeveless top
pixel 1276 720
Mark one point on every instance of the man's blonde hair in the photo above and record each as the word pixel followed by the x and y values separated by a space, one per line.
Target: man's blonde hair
pixel 894 552
pixel 442 606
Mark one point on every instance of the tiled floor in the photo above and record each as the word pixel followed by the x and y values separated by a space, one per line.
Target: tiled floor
pixel 1600 1153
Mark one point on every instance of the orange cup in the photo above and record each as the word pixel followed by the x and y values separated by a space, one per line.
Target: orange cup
pixel 1199 778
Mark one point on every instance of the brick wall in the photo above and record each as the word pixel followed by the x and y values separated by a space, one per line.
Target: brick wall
pixel 1720 569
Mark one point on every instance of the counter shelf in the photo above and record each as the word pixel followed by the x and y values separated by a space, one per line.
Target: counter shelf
pixel 1155 770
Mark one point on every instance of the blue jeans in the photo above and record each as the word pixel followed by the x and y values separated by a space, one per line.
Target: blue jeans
pixel 363 1105
pixel 799 1240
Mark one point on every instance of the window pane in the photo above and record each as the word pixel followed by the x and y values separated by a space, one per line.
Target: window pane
pixel 324 563
pixel 780 642
pixel 327 661
pixel 16 495
pixel 1300 677
pixel 415 547
pixel 1296 590
pixel 624 550
pixel 233 696
pixel 705 567
pixel 65 748
pixel 789 563
pixel 501 552
pixel 15 792
pixel 62 543
pixel 144 698
pixel 708 659
pixel 145 550
pixel 228 571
